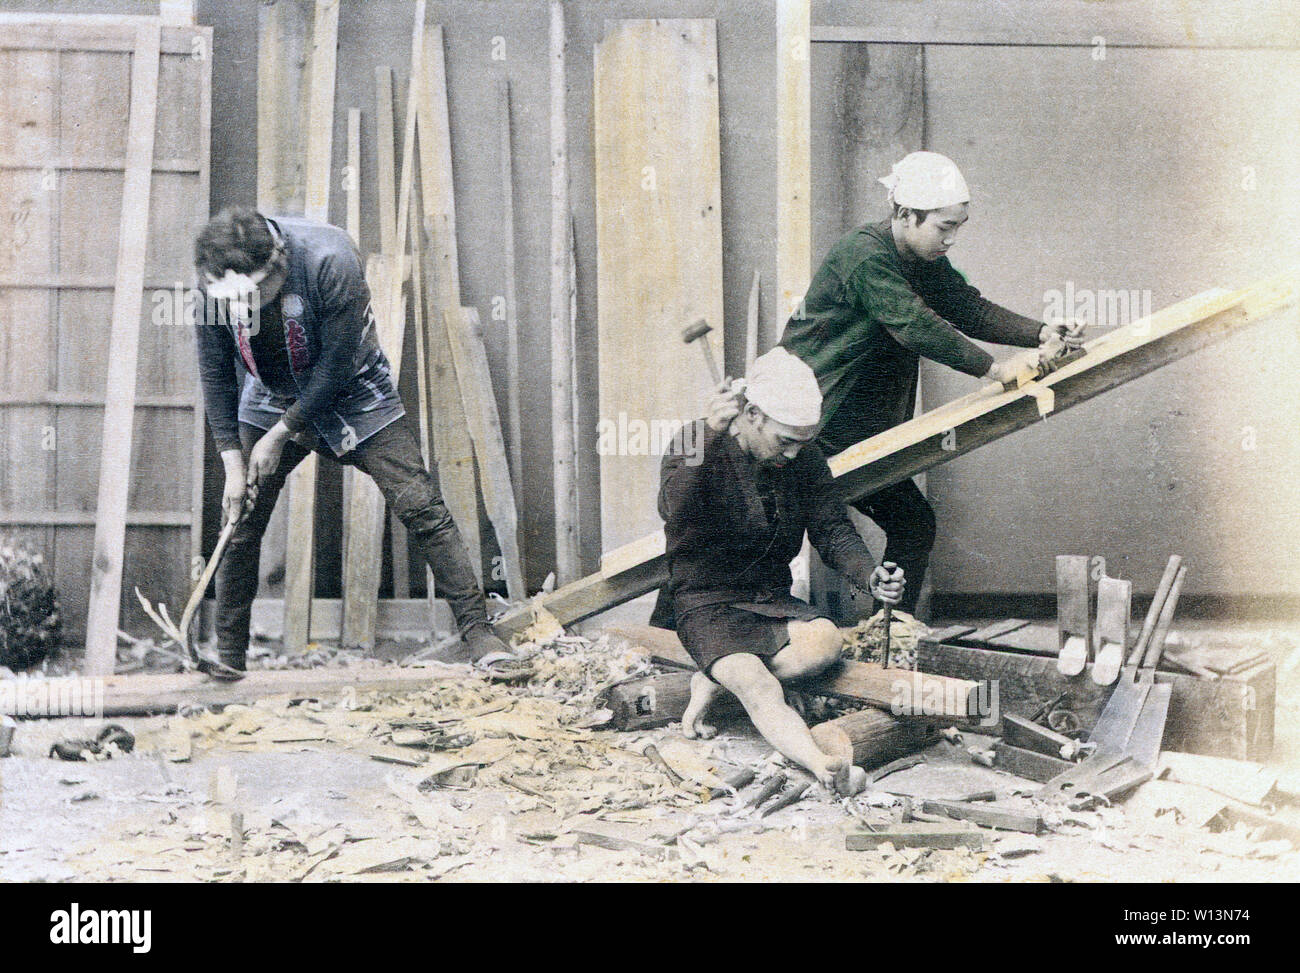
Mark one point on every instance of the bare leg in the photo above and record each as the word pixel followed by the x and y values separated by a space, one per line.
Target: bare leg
pixel 813 646
pixel 703 692
pixel 760 693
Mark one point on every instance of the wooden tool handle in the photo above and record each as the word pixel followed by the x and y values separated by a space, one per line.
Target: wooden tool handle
pixel 1157 646
pixel 1153 613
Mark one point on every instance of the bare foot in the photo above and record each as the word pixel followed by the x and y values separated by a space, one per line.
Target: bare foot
pixel 828 770
pixel 703 691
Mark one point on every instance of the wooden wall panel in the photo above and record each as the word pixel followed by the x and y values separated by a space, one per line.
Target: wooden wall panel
pixel 659 246
pixel 64 112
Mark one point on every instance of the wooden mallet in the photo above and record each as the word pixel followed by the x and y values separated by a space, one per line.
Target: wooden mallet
pixel 698 330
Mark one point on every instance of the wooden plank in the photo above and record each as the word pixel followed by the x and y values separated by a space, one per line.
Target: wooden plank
pixel 90 33
pixel 145 695
pixel 300 559
pixel 364 513
pixel 384 133
pixel 452 445
pixel 1078 23
pixel 352 197
pixel 965 424
pixel 987 815
pixel 917 834
pixel 751 323
pixel 513 387
pixel 283 30
pixel 388 237
pixel 793 155
pixel 1111 360
pixel 564 447
pixel 119 410
pixel 1029 764
pixel 465 331
pixel 283 54
pixel 364 505
pixel 658 247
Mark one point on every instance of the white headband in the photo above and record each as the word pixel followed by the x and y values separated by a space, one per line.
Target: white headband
pixel 926 180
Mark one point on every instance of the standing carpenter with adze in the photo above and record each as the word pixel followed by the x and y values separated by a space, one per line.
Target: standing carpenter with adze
pixel 288 296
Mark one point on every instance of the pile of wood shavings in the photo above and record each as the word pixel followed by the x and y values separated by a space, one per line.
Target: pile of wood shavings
pixel 865 641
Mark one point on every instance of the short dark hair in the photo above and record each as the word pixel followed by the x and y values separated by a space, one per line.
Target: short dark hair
pixel 235 239
pixel 921 214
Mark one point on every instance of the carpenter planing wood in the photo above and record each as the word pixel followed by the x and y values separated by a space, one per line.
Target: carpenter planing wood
pixel 982 417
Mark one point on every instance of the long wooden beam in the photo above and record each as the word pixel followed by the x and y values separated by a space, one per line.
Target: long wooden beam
pixel 1077 23
pixel 453 448
pixel 363 503
pixel 300 557
pixel 148 694
pixel 119 397
pixel 960 426
pixel 564 456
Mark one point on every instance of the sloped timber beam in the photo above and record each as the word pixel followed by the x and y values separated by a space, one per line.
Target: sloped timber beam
pixel 962 425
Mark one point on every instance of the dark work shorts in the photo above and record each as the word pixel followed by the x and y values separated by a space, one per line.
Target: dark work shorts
pixel 759 628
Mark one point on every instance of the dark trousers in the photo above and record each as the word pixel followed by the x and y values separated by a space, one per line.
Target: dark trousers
pixel 392 459
pixel 907 519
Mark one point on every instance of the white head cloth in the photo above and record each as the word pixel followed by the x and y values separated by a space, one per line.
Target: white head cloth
pixel 926 180
pixel 785 388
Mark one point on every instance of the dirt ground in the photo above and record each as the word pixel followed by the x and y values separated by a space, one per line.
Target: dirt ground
pixel 533 793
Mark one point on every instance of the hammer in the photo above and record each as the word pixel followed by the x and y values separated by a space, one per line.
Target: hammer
pixel 698 330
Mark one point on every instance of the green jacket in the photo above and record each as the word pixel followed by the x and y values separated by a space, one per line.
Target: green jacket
pixel 870 316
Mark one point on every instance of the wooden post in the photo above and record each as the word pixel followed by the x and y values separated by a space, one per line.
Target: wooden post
pixel 453 448
pixel 751 324
pixel 119 397
pixel 363 563
pixel 793 156
pixel 564 446
pixel 388 237
pixel 283 51
pixel 300 559
pixel 513 420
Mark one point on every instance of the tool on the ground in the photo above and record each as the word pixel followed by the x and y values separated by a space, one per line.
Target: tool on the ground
pixel 894 766
pixel 891 567
pixel 1042 713
pixel 1074 617
pixel 978 797
pixel 984 758
pixel 112 734
pixel 988 815
pixel 1020 732
pixel 693 332
pixel 1030 764
pixel 1149 731
pixel 770 787
pixel 1114 611
pixel 1132 724
pixel 791 795
pixel 737 781
pixel 181 633
pixel 921 835
pixel 1099 780
pixel 653 753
